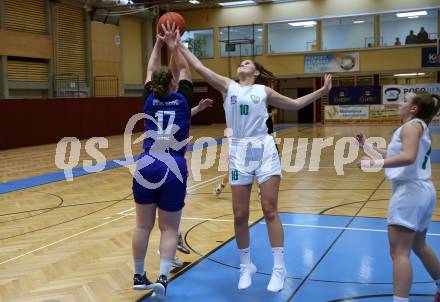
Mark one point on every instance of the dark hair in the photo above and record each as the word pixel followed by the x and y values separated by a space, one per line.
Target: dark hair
pixel 265 77
pixel 428 105
pixel 161 80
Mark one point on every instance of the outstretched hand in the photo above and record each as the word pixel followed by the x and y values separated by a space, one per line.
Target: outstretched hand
pixel 205 103
pixel 327 83
pixel 171 34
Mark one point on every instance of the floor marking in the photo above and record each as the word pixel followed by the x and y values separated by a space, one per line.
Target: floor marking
pixel 195 187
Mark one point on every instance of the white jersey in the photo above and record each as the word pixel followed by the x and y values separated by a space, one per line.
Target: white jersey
pixel 421 168
pixel 246 110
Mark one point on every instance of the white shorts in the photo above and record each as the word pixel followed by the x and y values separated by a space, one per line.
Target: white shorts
pixel 412 204
pixel 249 158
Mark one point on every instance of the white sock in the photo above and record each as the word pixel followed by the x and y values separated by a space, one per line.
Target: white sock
pixel 400 299
pixel 165 266
pixel 278 256
pixel 437 284
pixel 139 266
pixel 245 256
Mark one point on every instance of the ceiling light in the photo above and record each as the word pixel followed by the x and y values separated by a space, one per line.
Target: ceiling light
pixel 237 3
pixel 358 21
pixel 303 23
pixel 413 17
pixel 194 2
pixel 411 14
pixel 409 74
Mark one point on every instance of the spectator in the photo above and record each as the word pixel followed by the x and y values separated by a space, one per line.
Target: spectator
pixel 411 38
pixel 422 36
pixel 397 42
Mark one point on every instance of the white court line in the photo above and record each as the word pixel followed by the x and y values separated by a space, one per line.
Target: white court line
pixel 95 227
pixel 341 228
pixel 58 241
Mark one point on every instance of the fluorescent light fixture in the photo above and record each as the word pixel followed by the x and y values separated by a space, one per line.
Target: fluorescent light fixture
pixel 303 23
pixel 237 3
pixel 409 74
pixel 358 21
pixel 413 17
pixel 194 2
pixel 411 14
pixel 306 26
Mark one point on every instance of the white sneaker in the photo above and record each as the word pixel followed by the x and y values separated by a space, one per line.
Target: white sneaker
pixel 246 272
pixel 218 190
pixel 276 282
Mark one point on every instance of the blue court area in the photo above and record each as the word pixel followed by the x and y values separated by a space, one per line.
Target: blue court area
pixel 328 258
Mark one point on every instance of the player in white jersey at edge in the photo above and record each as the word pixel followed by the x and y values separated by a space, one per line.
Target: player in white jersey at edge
pixel 252 152
pixel 407 164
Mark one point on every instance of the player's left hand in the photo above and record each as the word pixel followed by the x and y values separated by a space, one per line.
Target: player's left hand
pixel 205 103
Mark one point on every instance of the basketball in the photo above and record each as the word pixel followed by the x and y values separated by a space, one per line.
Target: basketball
pixel 171 17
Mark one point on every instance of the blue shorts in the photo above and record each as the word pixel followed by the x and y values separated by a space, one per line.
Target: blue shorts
pixel 152 184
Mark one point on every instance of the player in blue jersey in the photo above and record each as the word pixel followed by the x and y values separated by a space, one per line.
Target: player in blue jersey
pixel 160 179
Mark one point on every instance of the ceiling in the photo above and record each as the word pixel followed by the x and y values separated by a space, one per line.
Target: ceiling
pixel 164 5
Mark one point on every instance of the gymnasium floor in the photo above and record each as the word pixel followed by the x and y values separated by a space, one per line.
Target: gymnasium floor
pixel 71 241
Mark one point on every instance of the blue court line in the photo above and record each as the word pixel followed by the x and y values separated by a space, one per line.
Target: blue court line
pixel 357 267
pixel 51 177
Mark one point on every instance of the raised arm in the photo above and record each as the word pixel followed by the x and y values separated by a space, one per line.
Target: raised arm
pixel 179 66
pixel 154 61
pixel 280 101
pixel 172 38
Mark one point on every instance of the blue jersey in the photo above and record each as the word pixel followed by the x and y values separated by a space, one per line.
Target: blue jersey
pixel 168 112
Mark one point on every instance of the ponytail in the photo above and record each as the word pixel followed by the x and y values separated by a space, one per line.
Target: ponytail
pixel 265 77
pixel 428 105
pixel 161 80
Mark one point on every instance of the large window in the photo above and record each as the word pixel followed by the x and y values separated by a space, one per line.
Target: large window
pixel 292 36
pixel 416 27
pixel 200 42
pixel 353 32
pixel 241 40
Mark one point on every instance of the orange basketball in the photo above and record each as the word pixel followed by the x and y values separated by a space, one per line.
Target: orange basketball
pixel 171 17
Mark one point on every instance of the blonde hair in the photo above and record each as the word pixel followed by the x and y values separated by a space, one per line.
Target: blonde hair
pixel 161 80
pixel 428 105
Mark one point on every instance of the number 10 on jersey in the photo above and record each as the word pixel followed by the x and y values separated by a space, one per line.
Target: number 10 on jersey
pixel 244 109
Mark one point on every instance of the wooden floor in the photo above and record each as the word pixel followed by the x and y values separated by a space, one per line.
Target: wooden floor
pixel 71 241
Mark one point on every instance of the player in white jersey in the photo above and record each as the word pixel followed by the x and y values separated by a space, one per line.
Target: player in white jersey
pixel 252 153
pixel 407 164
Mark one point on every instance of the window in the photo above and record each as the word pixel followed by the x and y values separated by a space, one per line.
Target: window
pixel 241 40
pixel 200 42
pixel 395 29
pixel 292 36
pixel 353 32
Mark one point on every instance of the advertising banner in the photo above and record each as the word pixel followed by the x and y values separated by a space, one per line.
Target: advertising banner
pixel 346 112
pixel 359 95
pixel 430 58
pixel 338 62
pixel 393 94
pixel 385 112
